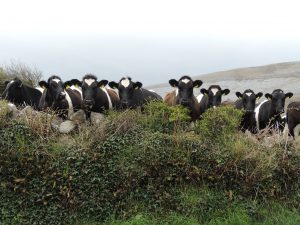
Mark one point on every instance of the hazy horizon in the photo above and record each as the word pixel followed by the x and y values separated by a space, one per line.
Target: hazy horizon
pixel 151 42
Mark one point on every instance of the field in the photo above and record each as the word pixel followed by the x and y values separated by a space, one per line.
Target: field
pixel 146 168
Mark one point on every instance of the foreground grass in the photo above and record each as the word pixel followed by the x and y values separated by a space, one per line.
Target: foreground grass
pixel 145 168
pixel 266 215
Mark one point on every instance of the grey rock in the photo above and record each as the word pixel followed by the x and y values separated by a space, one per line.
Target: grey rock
pixel 78 117
pixel 96 118
pixel 12 110
pixel 66 127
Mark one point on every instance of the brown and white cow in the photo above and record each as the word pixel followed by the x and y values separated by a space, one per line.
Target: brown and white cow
pixel 184 95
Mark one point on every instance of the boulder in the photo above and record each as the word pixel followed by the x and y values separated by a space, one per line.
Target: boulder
pixel 66 127
pixel 96 118
pixel 78 117
pixel 12 110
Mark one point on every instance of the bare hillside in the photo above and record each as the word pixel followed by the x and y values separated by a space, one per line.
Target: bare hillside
pixel 285 76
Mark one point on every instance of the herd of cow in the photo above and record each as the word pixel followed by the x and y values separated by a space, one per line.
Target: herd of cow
pixel 92 95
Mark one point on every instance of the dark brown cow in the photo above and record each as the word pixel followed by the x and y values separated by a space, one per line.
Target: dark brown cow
pixel 293 118
pixel 184 95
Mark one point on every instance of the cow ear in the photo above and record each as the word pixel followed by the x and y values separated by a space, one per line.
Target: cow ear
pixel 268 96
pixel 204 91
pixel 137 85
pixel 289 95
pixel 259 95
pixel 113 85
pixel 239 94
pixel 102 83
pixel 76 83
pixel 197 83
pixel 43 84
pixel 225 91
pixel 6 82
pixel 67 84
pixel 173 83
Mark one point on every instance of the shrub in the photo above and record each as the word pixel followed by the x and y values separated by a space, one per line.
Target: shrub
pixel 139 162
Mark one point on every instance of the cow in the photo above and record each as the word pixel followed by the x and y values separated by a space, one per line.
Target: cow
pixel 74 84
pixel 211 97
pixel 64 101
pixel 131 94
pixel 184 95
pixel 21 94
pixel 268 113
pixel 247 102
pixel 96 98
pixel 293 118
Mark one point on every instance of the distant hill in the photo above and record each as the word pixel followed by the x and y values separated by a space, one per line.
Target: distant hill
pixel 261 78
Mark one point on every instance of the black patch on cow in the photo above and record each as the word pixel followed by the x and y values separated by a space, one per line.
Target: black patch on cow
pixel 21 94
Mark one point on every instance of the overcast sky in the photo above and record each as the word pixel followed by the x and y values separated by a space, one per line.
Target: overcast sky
pixel 151 41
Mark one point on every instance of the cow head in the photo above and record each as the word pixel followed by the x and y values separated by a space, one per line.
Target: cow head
pixel 13 91
pixel 126 88
pixel 90 87
pixel 185 89
pixel 248 99
pixel 55 89
pixel 214 94
pixel 277 99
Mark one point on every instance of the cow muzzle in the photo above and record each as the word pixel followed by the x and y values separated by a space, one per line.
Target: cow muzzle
pixel 61 96
pixel 88 103
pixel 185 102
pixel 124 104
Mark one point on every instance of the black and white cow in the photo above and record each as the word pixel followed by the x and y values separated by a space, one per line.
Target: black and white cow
pixel 64 101
pixel 293 118
pixel 21 94
pixel 131 94
pixel 247 102
pixel 211 97
pixel 184 95
pixel 268 113
pixel 96 98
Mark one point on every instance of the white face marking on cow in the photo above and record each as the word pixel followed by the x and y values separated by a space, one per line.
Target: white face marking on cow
pixel 176 92
pixel 11 81
pixel 185 80
pixel 248 94
pixel 56 80
pixel 89 81
pixel 214 90
pixel 125 82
